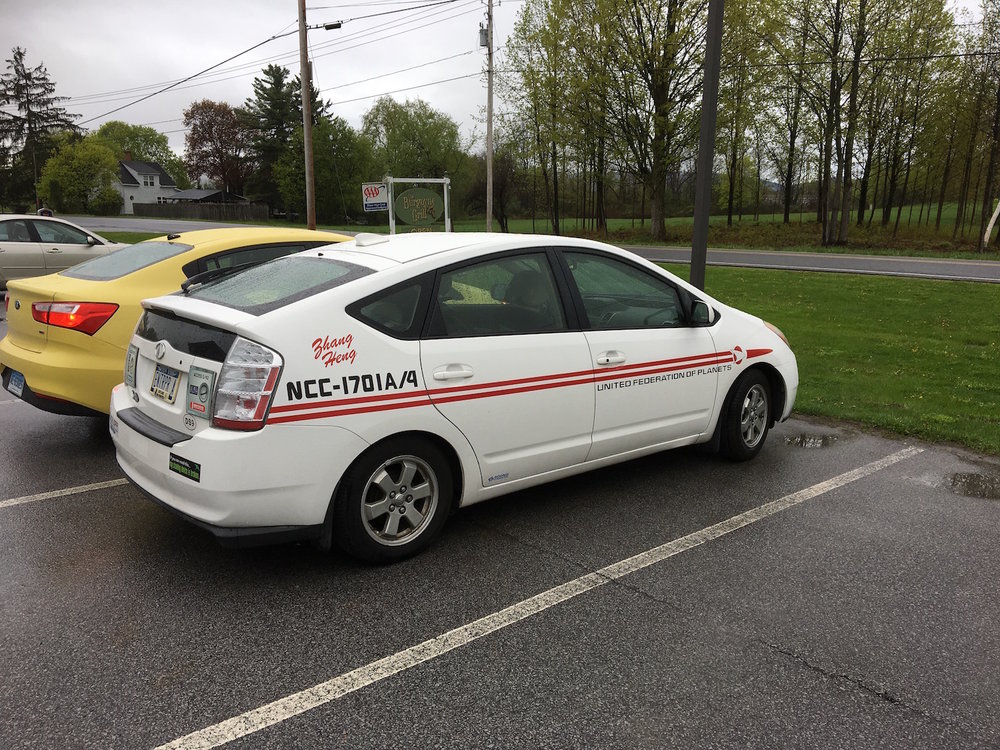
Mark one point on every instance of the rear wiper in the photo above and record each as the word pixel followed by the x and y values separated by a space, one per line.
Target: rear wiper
pixel 211 274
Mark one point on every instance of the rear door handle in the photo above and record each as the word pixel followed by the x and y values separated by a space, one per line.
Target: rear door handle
pixel 610 358
pixel 55 250
pixel 453 372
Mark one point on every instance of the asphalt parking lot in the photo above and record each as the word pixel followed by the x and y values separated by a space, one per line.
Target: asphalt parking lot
pixel 841 590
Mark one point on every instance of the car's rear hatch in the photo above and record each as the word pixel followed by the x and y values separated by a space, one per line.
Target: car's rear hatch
pixel 23 330
pixel 176 357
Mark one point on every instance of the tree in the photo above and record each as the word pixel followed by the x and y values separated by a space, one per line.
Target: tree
pixel 78 177
pixel 412 139
pixel 272 115
pixel 656 88
pixel 341 162
pixel 143 143
pixel 26 133
pixel 217 144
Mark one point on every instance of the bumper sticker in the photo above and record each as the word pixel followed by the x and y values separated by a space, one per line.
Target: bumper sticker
pixel 185 468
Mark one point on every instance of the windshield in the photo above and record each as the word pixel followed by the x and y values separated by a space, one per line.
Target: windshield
pixel 125 261
pixel 268 286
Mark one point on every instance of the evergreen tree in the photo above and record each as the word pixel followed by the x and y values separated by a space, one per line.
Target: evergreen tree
pixel 31 117
pixel 272 116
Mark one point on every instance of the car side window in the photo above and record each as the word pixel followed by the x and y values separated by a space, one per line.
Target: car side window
pixel 503 295
pixel 619 295
pixel 53 231
pixel 244 256
pixel 393 311
pixel 14 231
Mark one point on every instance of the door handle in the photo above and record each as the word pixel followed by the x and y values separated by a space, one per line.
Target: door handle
pixel 610 358
pixel 54 250
pixel 453 372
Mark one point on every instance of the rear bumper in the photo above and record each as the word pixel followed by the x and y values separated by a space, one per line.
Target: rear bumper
pixel 246 488
pixel 75 383
pixel 48 403
pixel 237 537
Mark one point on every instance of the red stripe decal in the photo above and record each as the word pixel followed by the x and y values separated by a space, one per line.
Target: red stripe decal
pixel 751 353
pixel 451 394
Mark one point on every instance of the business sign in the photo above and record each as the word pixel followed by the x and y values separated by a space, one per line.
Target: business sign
pixel 419 207
pixel 375 196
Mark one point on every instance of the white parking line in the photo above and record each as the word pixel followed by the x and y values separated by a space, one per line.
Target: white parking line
pixel 293 705
pixel 62 493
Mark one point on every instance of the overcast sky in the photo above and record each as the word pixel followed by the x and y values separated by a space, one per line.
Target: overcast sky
pixel 103 54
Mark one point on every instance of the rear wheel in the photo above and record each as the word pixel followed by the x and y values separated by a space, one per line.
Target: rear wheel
pixel 746 418
pixel 393 500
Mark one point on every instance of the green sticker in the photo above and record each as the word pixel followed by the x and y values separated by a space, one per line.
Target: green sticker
pixel 185 468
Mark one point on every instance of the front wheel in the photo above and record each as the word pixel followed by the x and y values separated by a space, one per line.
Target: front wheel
pixel 393 501
pixel 746 417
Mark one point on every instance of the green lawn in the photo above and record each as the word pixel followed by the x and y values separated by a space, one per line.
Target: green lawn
pixel 903 355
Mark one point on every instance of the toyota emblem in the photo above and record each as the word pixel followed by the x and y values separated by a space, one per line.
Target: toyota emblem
pixel 161 350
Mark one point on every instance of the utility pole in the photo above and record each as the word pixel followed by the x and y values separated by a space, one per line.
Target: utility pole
pixel 305 78
pixel 706 147
pixel 489 116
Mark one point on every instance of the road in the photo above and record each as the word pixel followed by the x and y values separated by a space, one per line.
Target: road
pixel 920 268
pixel 924 268
pixel 841 590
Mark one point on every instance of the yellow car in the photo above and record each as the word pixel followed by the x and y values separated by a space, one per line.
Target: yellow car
pixel 67 332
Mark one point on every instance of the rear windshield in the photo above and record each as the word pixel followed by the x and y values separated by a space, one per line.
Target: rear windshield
pixel 272 285
pixel 122 262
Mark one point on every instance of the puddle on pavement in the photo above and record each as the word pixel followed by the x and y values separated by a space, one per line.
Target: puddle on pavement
pixel 811 441
pixel 982 486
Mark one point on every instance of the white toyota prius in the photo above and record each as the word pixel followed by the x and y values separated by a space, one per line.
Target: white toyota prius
pixel 356 394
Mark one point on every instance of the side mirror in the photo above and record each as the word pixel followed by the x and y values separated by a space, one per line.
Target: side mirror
pixel 702 314
pixel 92 240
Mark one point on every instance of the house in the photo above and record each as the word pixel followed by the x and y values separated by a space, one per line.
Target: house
pixel 143 182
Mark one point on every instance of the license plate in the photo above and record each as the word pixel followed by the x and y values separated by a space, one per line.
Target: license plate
pixel 16 383
pixel 164 384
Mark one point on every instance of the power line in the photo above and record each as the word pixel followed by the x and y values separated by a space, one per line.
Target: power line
pixel 184 80
pixel 407 88
pixel 254 66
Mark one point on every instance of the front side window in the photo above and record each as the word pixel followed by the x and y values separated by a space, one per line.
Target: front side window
pixel 53 231
pixel 504 295
pixel 15 231
pixel 619 295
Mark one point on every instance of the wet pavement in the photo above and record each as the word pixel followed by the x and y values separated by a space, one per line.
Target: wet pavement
pixel 854 602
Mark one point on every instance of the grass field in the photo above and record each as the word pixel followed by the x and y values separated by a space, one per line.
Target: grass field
pixel 907 356
pixel 912 357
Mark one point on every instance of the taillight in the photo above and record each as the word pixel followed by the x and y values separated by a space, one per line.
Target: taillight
pixel 86 317
pixel 246 386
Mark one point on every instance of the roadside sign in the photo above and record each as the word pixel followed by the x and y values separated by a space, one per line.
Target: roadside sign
pixel 375 195
pixel 419 207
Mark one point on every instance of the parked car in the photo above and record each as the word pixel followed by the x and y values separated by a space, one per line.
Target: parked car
pixel 359 393
pixel 36 245
pixel 67 332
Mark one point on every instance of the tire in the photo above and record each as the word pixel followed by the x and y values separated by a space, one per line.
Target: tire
pixel 746 417
pixel 393 501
